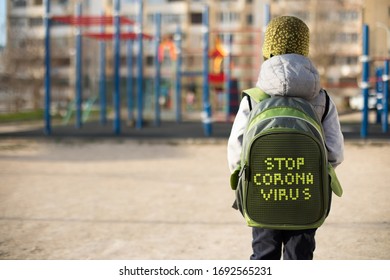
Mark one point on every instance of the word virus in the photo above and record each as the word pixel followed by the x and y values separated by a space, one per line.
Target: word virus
pixel 286 172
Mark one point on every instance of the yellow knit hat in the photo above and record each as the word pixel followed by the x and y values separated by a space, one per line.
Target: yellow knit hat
pixel 286 34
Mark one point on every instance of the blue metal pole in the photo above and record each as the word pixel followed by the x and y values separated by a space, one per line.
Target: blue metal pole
pixel 228 75
pixel 140 77
pixel 130 87
pixel 266 20
pixel 379 94
pixel 365 80
pixel 157 80
pixel 179 62
pixel 385 100
pixel 206 87
pixel 117 117
pixel 267 15
pixel 47 22
pixel 102 80
pixel 79 94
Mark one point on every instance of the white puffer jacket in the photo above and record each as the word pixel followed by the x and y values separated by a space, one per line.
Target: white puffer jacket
pixel 290 75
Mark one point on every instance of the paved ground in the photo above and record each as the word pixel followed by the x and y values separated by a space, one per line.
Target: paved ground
pixel 139 196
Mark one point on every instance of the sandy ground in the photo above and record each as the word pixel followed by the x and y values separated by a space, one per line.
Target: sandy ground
pixel 121 199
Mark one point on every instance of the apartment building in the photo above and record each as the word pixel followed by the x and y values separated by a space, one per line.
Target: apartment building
pixel 335 27
pixel 238 18
pixel 22 57
pixel 377 15
pixel 335 35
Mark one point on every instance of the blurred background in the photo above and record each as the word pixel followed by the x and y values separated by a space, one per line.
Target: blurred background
pixel 236 28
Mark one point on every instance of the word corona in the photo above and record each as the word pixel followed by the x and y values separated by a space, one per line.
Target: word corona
pixel 276 179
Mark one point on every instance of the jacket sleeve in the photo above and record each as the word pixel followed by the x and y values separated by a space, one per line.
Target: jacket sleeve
pixel 236 135
pixel 333 136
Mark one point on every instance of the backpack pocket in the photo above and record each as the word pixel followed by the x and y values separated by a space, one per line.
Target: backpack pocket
pixel 234 178
pixel 334 181
pixel 239 195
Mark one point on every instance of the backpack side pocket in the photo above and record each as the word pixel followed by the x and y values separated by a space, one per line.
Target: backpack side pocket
pixel 239 201
pixel 234 178
pixel 334 181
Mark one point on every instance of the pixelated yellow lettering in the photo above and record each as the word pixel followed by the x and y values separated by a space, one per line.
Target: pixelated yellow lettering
pixel 292 196
pixel 278 179
pixel 306 193
pixel 269 163
pixel 255 179
pixel 300 162
pixel 279 161
pixel 300 178
pixel 266 195
pixel 289 179
pixel 267 179
pixel 282 194
pixel 290 163
pixel 309 179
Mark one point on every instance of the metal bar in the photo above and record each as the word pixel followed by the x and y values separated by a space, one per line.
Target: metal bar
pixel 157 80
pixel 110 36
pixel 78 85
pixel 140 77
pixel 266 15
pixel 179 62
pixel 47 22
pixel 191 73
pixel 385 112
pixel 90 20
pixel 379 94
pixel 129 82
pixel 206 86
pixel 228 76
pixel 117 119
pixel 365 80
pixel 102 80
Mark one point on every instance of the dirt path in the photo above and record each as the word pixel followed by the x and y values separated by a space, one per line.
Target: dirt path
pixel 124 200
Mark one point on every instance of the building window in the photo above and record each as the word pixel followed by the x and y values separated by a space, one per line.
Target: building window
pixel 346 60
pixel 17 21
pixel 149 60
pixel 171 19
pixel 348 15
pixel 35 21
pixel 19 3
pixel 228 17
pixel 345 37
pixel 249 19
pixel 196 18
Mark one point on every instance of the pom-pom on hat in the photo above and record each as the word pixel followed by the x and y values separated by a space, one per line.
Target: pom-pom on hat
pixel 286 34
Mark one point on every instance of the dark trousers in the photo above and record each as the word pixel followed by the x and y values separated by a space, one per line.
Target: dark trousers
pixel 268 244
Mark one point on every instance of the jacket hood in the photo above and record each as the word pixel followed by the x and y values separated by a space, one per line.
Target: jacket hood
pixel 289 75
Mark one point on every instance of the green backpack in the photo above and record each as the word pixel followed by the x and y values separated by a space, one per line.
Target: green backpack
pixel 284 180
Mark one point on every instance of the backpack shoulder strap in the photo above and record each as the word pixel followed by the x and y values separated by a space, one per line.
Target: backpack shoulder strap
pixel 326 106
pixel 256 94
